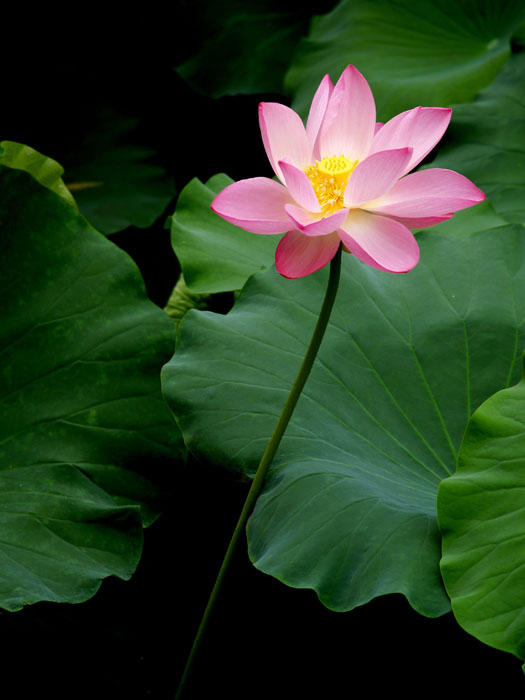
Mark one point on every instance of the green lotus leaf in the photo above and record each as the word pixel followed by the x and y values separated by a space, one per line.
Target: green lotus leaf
pixel 426 53
pixel 215 256
pixel 468 221
pixel 245 47
pixel 480 510
pixel 488 141
pixel 61 535
pixel 81 413
pixel 121 188
pixel 349 507
pixel 46 170
pixel 114 177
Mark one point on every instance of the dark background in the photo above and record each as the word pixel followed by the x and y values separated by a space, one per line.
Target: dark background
pixel 266 640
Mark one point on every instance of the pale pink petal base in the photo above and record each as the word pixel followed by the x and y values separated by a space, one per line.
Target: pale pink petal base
pixel 256 205
pixel 375 175
pixel 380 242
pixel 315 225
pixel 299 186
pixel 298 255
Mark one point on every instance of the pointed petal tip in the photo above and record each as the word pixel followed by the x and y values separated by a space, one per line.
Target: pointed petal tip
pixel 283 134
pixel 349 122
pixel 351 69
pixel 428 193
pixel 420 127
pixel 446 111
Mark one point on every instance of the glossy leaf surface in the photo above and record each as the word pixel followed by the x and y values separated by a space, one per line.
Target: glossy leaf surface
pixel 427 53
pixel 488 141
pixel 46 170
pixel 120 189
pixel 245 47
pixel 480 511
pixel 349 508
pixel 215 256
pixel 80 403
pixel 114 177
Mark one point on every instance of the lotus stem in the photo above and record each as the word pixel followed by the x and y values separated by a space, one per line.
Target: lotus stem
pixel 266 460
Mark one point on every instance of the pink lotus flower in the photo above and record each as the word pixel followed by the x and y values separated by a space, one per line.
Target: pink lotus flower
pixel 345 179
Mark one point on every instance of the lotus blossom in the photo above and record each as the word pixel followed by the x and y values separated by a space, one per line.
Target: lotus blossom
pixel 344 179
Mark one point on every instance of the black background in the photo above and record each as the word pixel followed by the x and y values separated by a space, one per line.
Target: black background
pixel 266 640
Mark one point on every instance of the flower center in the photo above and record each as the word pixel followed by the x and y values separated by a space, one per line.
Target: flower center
pixel 329 177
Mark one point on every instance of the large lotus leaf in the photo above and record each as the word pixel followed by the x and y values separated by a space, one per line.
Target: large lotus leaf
pixel 215 256
pixel 46 170
pixel 245 47
pixel 480 510
pixel 80 402
pixel 431 52
pixel 349 508
pixel 468 221
pixel 489 141
pixel 114 177
pixel 61 535
pixel 121 188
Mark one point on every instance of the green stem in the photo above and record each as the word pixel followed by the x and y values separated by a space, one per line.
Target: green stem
pixel 269 453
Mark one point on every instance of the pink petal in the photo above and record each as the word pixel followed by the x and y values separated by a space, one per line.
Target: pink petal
pixel 421 222
pixel 311 225
pixel 256 205
pixel 379 242
pixel 420 128
pixel 317 112
pixel 299 186
pixel 349 123
pixel 375 175
pixel 378 126
pixel 427 193
pixel 298 255
pixel 284 136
